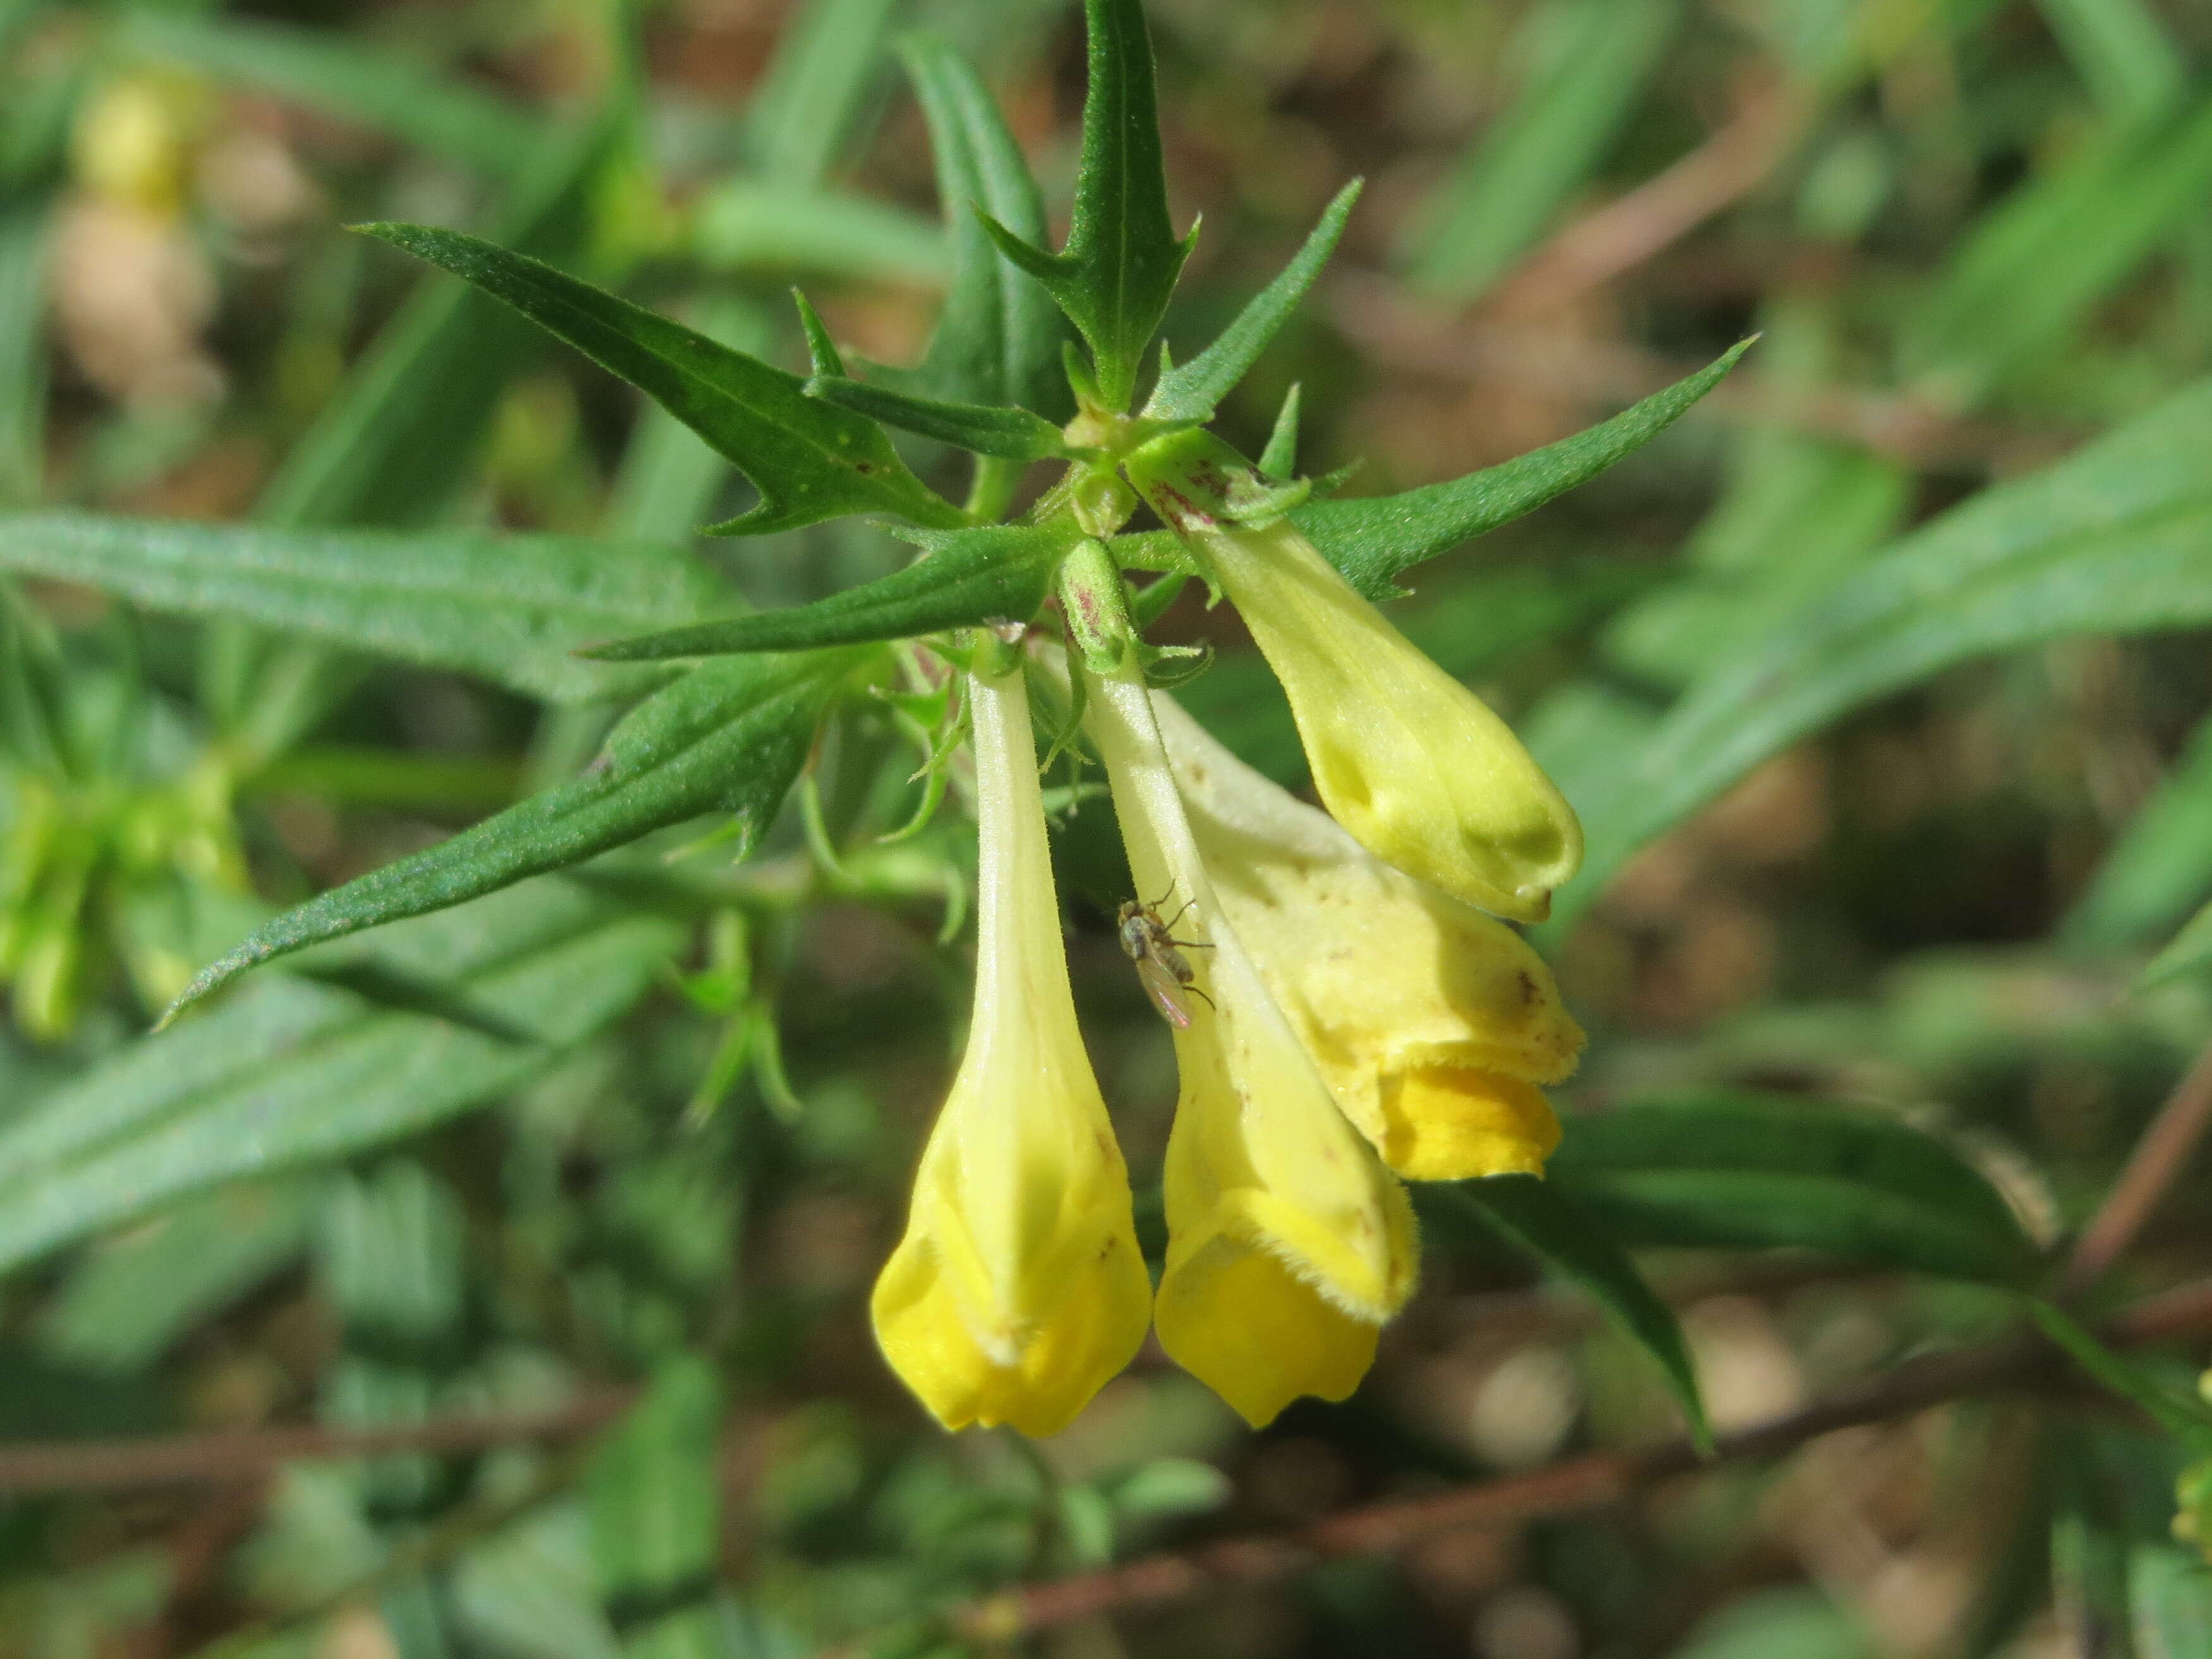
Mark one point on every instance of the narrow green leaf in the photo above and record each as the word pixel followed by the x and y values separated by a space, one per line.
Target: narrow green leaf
pixel 339 75
pixel 809 460
pixel 2122 50
pixel 2083 230
pixel 1725 1170
pixel 407 425
pixel 655 1505
pixel 1119 265
pixel 22 355
pixel 1589 61
pixel 127 1302
pixel 1546 1224
pixel 727 738
pixel 1279 459
pixel 1812 511
pixel 2184 1416
pixel 1013 435
pixel 2169 1602
pixel 389 1260
pixel 804 111
pixel 2162 866
pixel 1372 539
pixel 528 1590
pixel 509 608
pixel 292 1073
pixel 823 358
pixel 753 225
pixel 998 338
pixel 2112 540
pixel 1192 391
pixel 2188 952
pixel 669 476
pixel 382 986
pixel 970 576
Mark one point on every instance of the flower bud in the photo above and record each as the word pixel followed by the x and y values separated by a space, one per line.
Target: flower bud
pixel 1017 1289
pixel 1412 763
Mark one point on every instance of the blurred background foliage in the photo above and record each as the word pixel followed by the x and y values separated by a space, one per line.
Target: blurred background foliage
pixel 663 1137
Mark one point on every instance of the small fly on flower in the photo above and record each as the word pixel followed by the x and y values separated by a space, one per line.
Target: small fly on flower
pixel 1162 967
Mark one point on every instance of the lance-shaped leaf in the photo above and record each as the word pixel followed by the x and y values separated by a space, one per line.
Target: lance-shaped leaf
pixel 1371 539
pixel 1013 435
pixel 998 338
pixel 2110 540
pixel 971 576
pixel 292 1072
pixel 2188 952
pixel 656 1513
pixel 1192 391
pixel 1543 1224
pixel 1114 278
pixel 1749 1171
pixel 727 738
pixel 810 460
pixel 508 608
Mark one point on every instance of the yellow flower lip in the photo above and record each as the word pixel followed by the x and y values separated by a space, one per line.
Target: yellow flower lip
pixel 1289 1244
pixel 1409 761
pixel 1432 1022
pixel 1017 1289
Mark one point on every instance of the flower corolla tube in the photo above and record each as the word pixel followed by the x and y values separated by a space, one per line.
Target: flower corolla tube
pixel 1413 764
pixel 1433 1024
pixel 1290 1244
pixel 1017 1288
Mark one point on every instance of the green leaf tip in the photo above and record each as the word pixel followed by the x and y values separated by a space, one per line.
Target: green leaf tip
pixel 1541 1221
pixel 997 339
pixel 1115 276
pixel 808 459
pixel 1373 538
pixel 1192 391
pixel 1279 459
pixel 822 354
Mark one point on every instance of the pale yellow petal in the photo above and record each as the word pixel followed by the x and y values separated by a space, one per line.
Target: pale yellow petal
pixel 1289 1244
pixel 1017 1288
pixel 1094 1331
pixel 1431 1021
pixel 1447 1123
pixel 1409 761
pixel 1243 1323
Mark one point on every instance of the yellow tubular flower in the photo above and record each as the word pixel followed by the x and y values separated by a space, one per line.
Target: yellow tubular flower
pixel 1289 1244
pixel 1408 760
pixel 1432 1022
pixel 1017 1289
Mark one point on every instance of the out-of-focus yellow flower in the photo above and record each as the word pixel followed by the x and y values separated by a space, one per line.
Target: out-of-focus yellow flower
pixel 1406 758
pixel 132 145
pixel 1432 1022
pixel 1017 1289
pixel 1289 1244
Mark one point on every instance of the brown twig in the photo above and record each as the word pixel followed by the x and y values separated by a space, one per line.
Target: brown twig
pixel 1630 228
pixel 1578 1484
pixel 244 1456
pixel 2159 1158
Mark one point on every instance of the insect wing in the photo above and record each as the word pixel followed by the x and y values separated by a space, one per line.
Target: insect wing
pixel 1165 991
